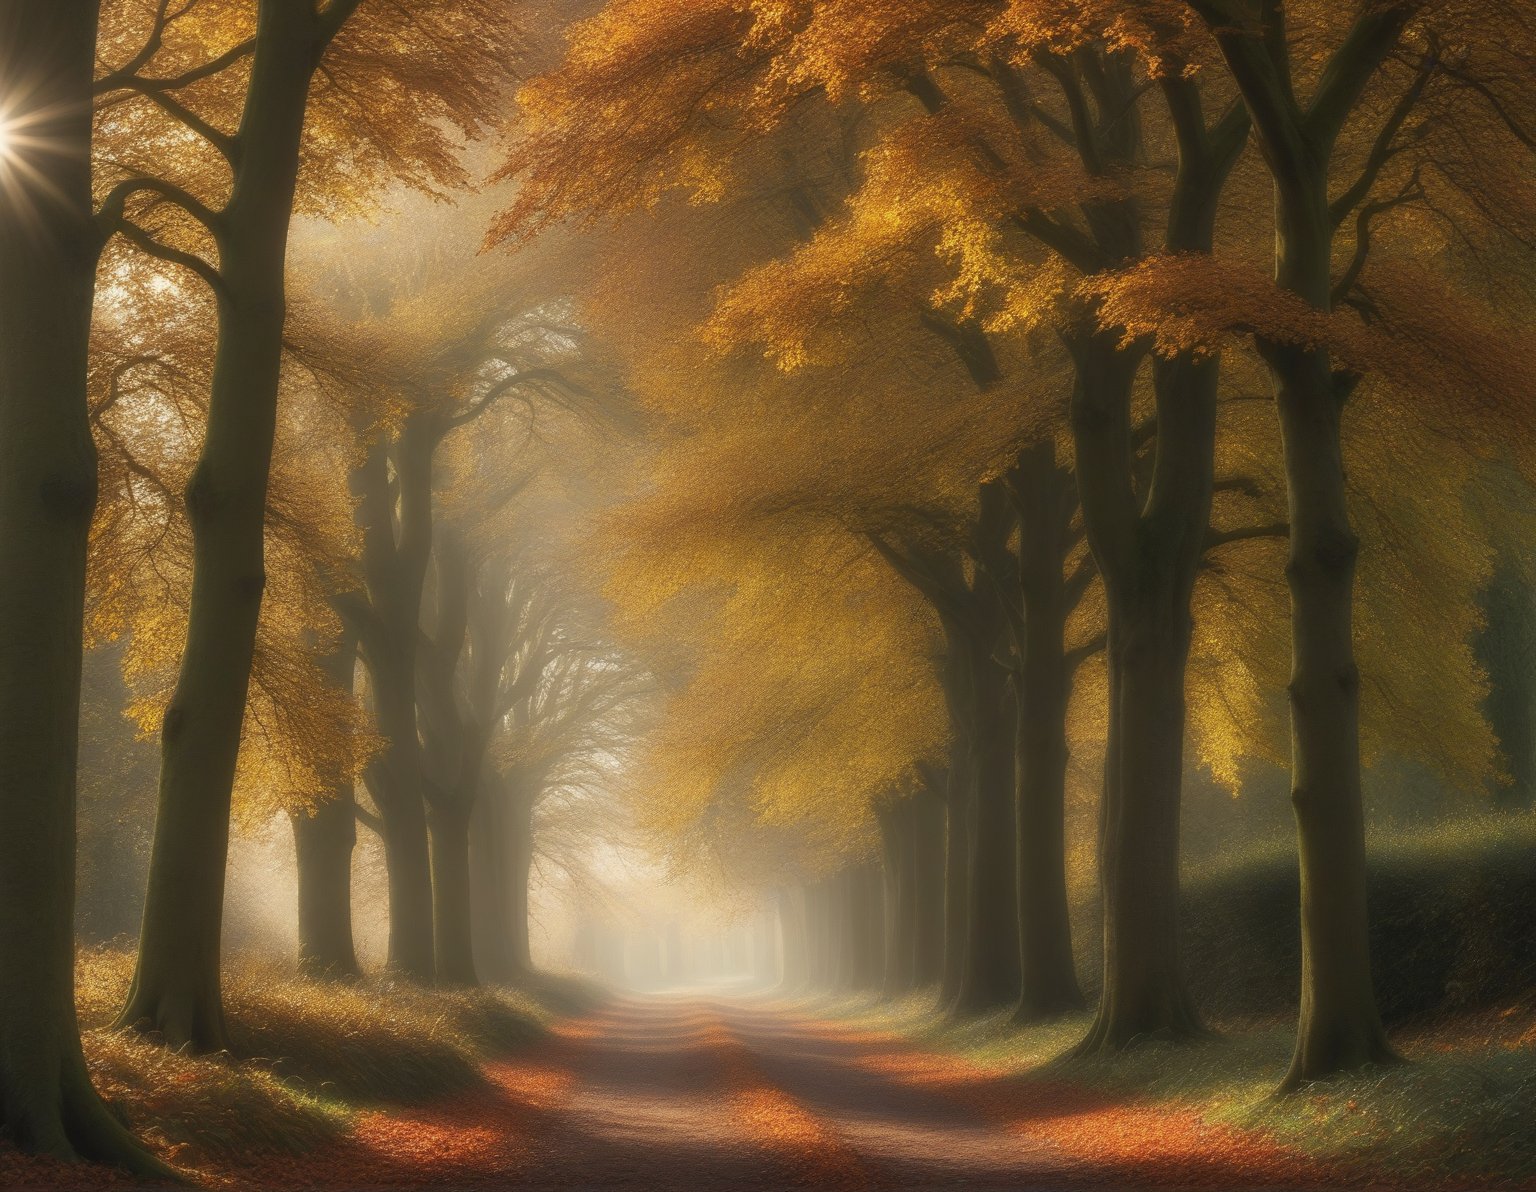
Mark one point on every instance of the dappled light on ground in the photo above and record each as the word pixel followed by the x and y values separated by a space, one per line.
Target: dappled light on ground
pixel 689 1090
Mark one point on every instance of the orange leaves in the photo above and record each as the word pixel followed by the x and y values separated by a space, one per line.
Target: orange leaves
pixel 849 47
pixel 644 97
pixel 1191 302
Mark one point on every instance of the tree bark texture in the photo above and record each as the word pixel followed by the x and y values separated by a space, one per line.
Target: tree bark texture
pixel 1046 500
pixel 176 985
pixel 48 252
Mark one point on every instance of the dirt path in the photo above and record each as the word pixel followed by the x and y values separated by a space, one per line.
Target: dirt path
pixel 698 1094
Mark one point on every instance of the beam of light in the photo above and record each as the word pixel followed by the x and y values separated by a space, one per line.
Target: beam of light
pixel 25 146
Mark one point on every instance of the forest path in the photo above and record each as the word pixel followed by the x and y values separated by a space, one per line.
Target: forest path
pixel 702 1093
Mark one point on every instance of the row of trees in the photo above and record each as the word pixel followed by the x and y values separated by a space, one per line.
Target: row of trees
pixel 976 299
pixel 231 475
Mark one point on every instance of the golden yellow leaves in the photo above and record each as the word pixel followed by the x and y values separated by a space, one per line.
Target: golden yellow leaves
pixel 636 98
pixel 810 696
pixel 1194 302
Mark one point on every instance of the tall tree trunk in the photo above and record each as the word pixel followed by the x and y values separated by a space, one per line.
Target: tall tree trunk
pixel 176 990
pixel 522 847
pixel 1149 562
pixel 449 822
pixel 323 844
pixel 1046 501
pixel 1148 542
pixel 990 977
pixel 794 968
pixel 928 886
pixel 394 782
pixel 48 251
pixel 1340 1025
pixel 869 926
pixel 957 873
pixel 490 882
pixel 898 865
pixel 396 568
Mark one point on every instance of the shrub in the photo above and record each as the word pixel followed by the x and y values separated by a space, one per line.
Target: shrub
pixel 1453 922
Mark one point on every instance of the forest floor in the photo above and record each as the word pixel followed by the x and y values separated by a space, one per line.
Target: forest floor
pixel 705 1092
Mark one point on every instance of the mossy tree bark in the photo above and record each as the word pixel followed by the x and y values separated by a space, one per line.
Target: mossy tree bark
pixel 1340 1024
pixel 49 245
pixel 176 986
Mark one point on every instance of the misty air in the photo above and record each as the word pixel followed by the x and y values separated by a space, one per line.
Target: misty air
pixel 767 594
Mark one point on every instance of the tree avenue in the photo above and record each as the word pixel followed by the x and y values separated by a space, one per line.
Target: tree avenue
pixel 1006 522
pixel 1011 164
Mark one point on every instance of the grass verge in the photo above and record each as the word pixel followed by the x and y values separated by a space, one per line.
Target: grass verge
pixel 1461 1113
pixel 308 1055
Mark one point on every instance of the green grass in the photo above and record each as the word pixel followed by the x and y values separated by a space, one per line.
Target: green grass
pixel 1463 1108
pixel 1454 951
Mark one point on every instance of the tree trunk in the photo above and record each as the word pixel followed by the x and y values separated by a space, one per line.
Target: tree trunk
pixel 394 783
pixel 454 949
pixel 408 871
pixel 898 864
pixel 794 971
pixel 1149 563
pixel 323 843
pixel 48 250
pixel 522 846
pixel 1507 650
pixel 490 880
pixel 396 574
pixel 990 977
pixel 869 926
pixel 1048 976
pixel 176 990
pixel 1145 994
pixel 957 870
pixel 1148 542
pixel 1340 1026
pixel 928 887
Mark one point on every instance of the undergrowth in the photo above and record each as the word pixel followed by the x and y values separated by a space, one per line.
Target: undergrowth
pixel 1454 949
pixel 1459 1113
pixel 308 1054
